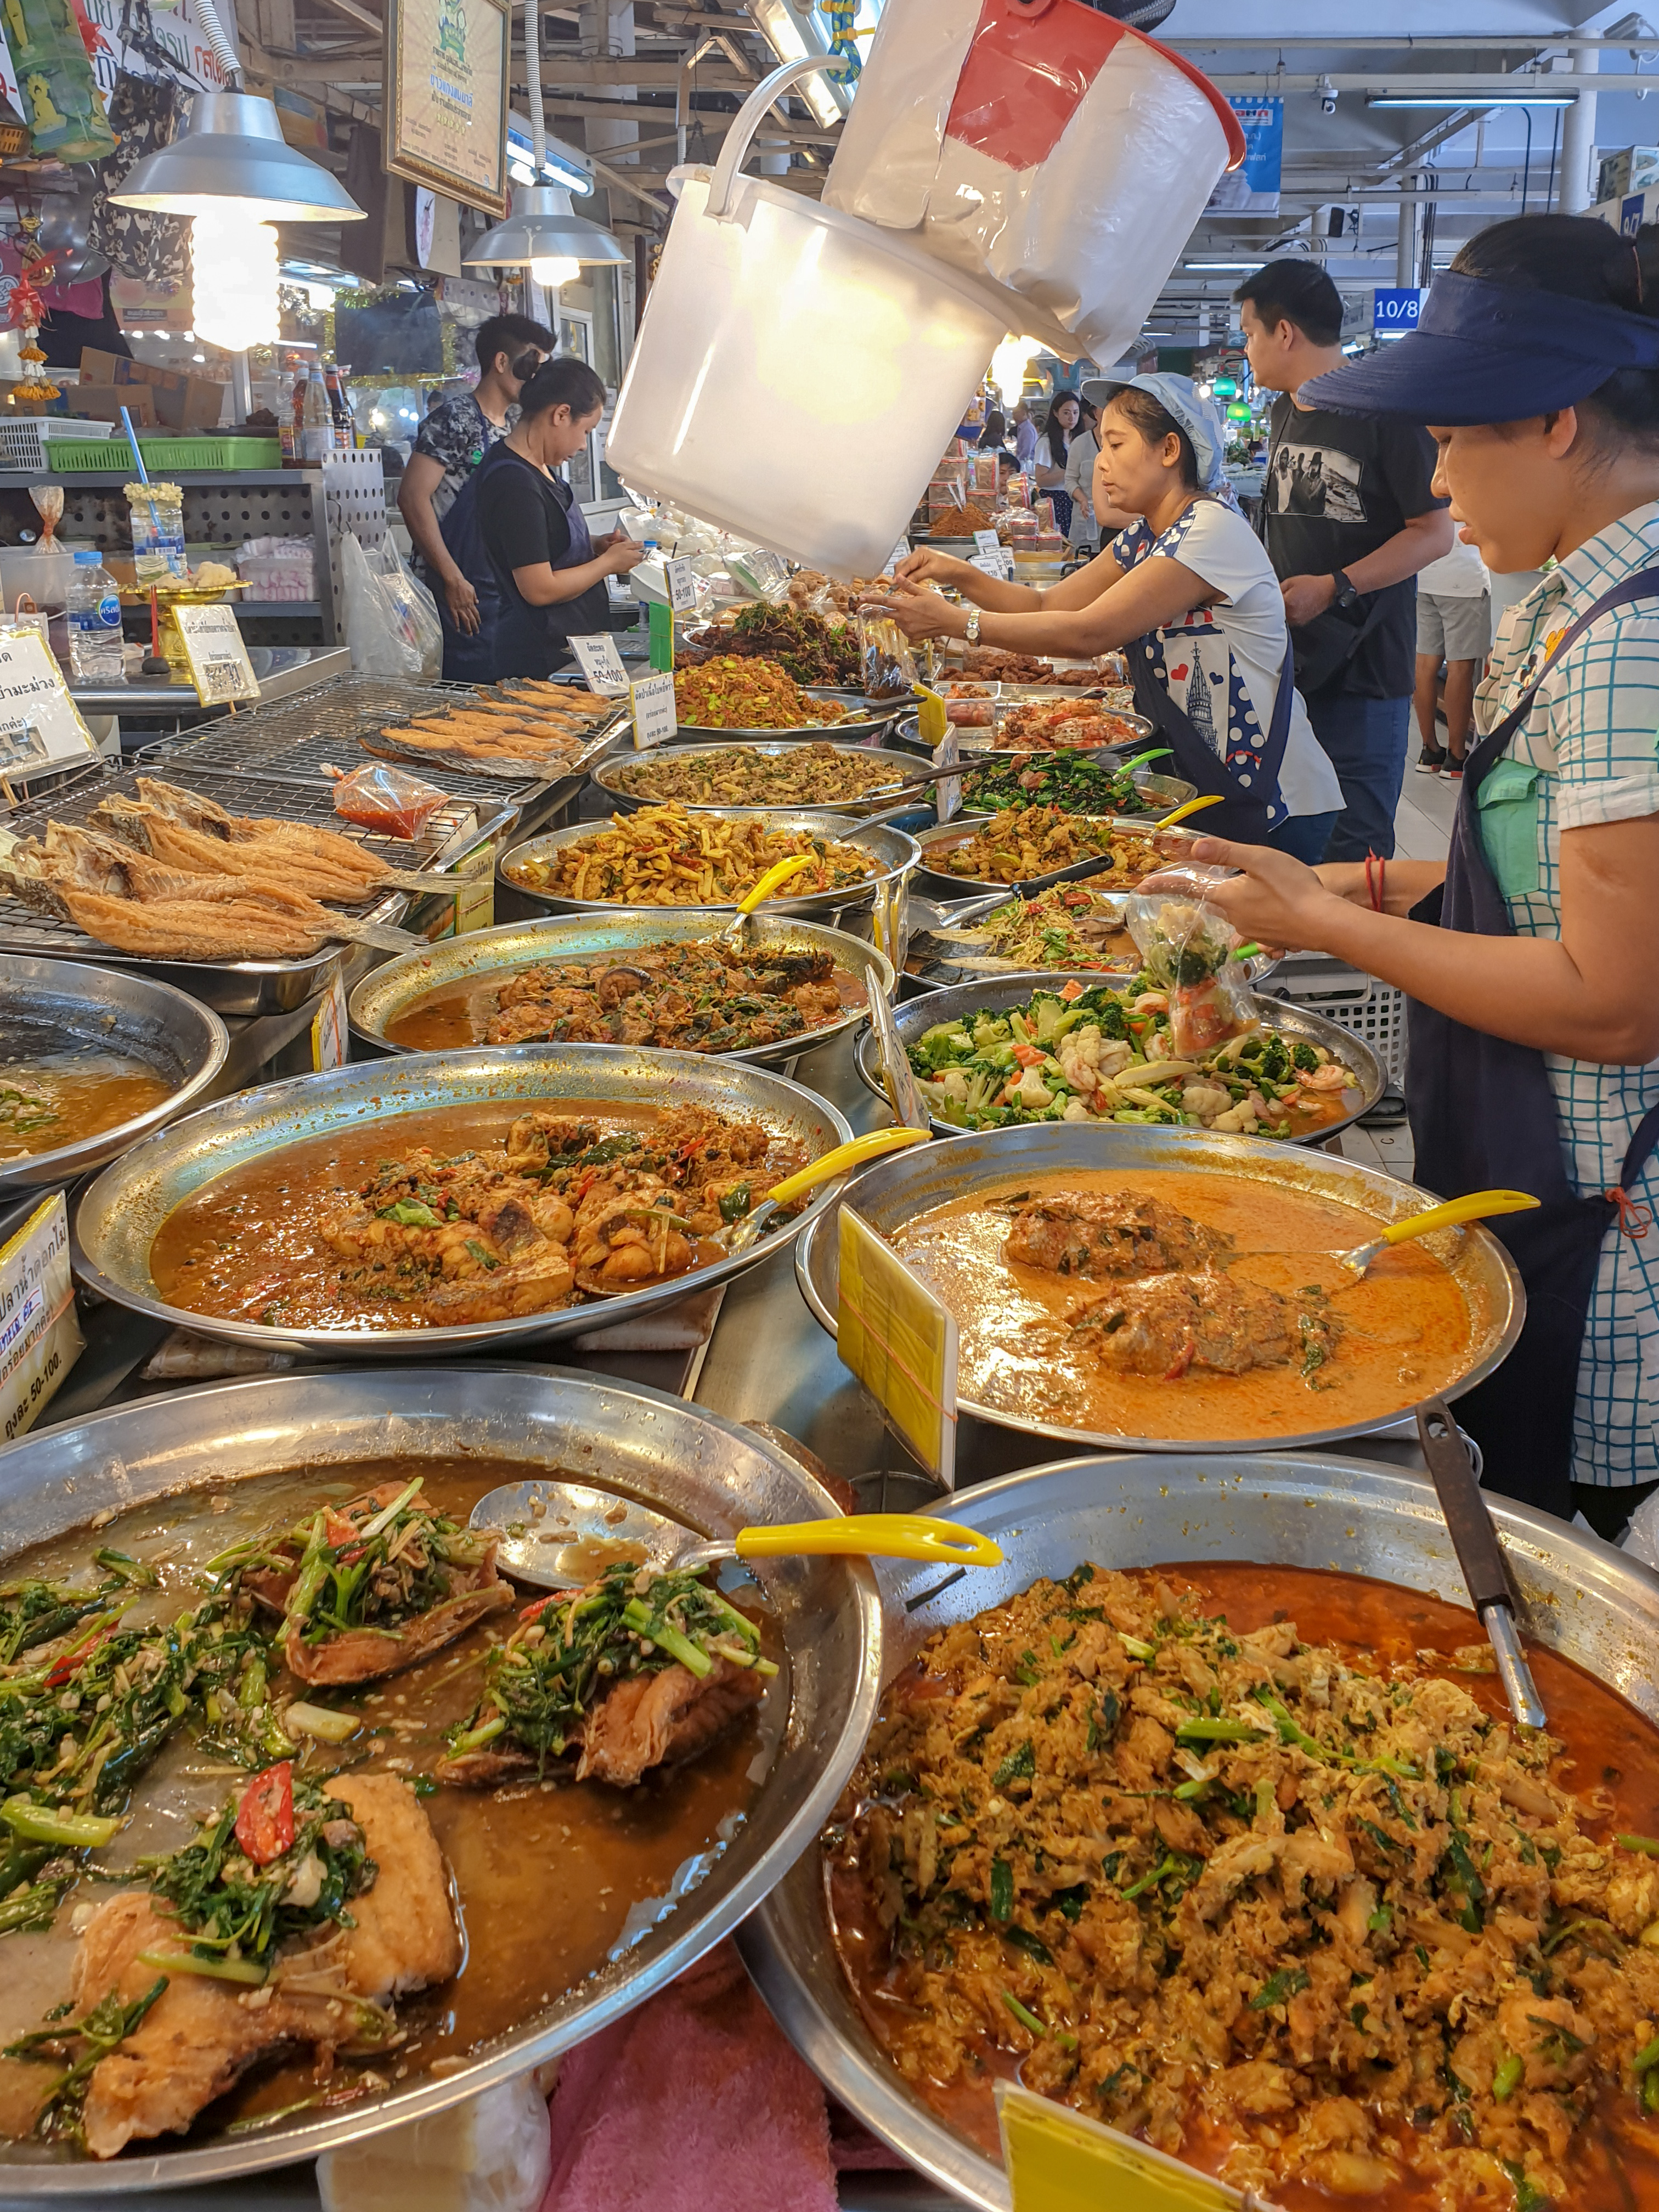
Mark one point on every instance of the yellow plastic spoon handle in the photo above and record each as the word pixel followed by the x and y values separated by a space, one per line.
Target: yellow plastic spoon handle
pixel 773 877
pixel 868 1147
pixel 1476 1205
pixel 1189 806
pixel 931 721
pixel 872 1536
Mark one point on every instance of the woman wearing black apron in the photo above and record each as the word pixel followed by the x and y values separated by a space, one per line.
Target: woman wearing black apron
pixel 516 520
pixel 1189 593
pixel 1532 956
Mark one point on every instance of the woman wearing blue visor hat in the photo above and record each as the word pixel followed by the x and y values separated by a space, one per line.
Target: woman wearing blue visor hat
pixel 1188 591
pixel 1532 956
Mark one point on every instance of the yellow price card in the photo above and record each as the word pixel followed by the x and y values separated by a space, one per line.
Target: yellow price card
pixel 1058 2160
pixel 40 1338
pixel 901 1343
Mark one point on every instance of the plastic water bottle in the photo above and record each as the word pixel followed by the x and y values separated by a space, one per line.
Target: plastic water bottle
pixel 94 623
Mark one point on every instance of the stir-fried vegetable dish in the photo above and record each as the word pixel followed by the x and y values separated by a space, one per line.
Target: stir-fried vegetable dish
pixel 731 693
pixel 803 775
pixel 1069 926
pixel 1075 782
pixel 1022 844
pixel 1090 1053
pixel 811 647
pixel 663 856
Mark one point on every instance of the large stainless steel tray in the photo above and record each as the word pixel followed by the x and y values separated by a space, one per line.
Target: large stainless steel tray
pixel 893 852
pixel 893 1191
pixel 118 1218
pixel 455 962
pixel 47 1005
pixel 709 1473
pixel 606 776
pixel 1580 1597
pixel 996 993
pixel 933 883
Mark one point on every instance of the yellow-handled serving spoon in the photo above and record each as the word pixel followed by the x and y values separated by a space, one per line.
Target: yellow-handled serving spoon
pixel 559 1535
pixel 779 874
pixel 1188 806
pixel 742 1233
pixel 1475 1205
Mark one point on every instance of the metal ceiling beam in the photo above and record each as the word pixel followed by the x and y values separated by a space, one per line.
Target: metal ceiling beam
pixel 1398 42
pixel 1472 89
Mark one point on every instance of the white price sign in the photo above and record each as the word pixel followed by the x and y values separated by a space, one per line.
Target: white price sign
pixel 41 724
pixel 601 664
pixel 682 585
pixel 986 541
pixel 656 717
pixel 947 801
pixel 999 564
pixel 219 666
pixel 900 552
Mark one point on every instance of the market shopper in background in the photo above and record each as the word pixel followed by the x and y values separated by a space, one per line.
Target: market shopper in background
pixel 1531 955
pixel 1082 531
pixel 517 516
pixel 1351 521
pixel 995 430
pixel 456 435
pixel 1025 435
pixel 1053 449
pixel 1188 590
pixel 1454 626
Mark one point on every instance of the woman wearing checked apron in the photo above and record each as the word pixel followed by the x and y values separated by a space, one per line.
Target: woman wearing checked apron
pixel 1532 956
pixel 1188 591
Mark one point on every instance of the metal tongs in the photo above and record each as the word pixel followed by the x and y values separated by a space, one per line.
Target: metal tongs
pixel 1479 1555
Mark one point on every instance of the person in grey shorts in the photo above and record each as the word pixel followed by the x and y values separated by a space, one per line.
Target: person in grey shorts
pixel 1453 627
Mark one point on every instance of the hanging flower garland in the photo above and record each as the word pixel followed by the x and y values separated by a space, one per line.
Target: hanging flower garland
pixel 25 311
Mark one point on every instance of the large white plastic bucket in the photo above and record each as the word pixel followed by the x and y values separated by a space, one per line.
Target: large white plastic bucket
pixel 798 372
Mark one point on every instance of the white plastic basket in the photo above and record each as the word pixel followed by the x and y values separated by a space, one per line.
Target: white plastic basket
pixel 25 439
pixel 1373 1012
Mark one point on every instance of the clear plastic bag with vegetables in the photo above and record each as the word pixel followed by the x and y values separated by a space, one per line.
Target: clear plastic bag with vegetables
pixel 1192 952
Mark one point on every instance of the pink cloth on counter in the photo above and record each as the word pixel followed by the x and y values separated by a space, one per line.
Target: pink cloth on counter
pixel 695 2101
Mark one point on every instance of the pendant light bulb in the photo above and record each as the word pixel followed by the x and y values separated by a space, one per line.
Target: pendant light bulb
pixel 552 270
pixel 1008 365
pixel 234 270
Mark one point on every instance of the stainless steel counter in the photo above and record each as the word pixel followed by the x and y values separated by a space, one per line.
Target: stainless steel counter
pixel 288 669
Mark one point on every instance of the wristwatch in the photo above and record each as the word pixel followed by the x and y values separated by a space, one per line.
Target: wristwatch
pixel 1346 595
pixel 972 626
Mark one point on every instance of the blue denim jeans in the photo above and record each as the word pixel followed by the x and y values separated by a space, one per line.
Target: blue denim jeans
pixel 1366 741
pixel 1304 837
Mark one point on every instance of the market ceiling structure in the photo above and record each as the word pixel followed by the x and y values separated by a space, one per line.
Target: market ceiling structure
pixel 1505 103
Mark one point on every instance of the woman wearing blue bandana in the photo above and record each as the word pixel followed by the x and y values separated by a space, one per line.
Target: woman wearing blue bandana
pixel 1188 591
pixel 1532 956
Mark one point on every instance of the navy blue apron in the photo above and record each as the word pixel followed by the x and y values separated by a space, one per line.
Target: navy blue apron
pixel 1483 1116
pixel 1242 815
pixel 513 638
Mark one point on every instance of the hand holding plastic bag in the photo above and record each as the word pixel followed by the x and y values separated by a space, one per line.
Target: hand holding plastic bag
pixel 1191 951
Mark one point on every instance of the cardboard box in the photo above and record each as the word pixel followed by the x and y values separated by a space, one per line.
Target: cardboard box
pixel 102 403
pixel 1630 169
pixel 181 403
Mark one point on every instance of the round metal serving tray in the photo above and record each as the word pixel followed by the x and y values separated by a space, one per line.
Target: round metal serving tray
pixel 47 1005
pixel 996 993
pixel 866 717
pixel 707 1472
pixel 900 766
pixel 893 1191
pixel 454 963
pixel 893 852
pixel 118 1218
pixel 1579 1597
pixel 933 883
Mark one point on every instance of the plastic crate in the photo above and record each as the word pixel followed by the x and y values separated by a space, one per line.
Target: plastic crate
pixel 34 442
pixel 1369 1010
pixel 204 452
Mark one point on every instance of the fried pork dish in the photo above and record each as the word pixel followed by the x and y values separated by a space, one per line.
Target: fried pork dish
pixel 523 1222
pixel 1303 1907
pixel 524 728
pixel 992 665
pixel 731 693
pixel 278 1951
pixel 805 774
pixel 663 856
pixel 691 997
pixel 1022 843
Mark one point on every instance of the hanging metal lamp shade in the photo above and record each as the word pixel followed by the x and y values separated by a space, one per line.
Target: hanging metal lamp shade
pixel 232 149
pixel 544 227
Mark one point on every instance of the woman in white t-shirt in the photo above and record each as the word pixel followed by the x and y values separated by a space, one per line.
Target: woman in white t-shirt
pixel 1188 590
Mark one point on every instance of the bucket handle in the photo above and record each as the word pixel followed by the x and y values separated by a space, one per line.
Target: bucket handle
pixel 747 121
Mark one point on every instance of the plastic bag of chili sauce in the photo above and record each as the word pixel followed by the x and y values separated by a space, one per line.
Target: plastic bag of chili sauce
pixel 1191 953
pixel 1041 145
pixel 388 800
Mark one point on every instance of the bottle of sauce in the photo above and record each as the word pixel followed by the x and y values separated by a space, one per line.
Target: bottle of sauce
pixel 317 424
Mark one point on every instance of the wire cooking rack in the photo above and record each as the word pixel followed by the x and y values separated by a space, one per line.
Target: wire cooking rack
pixel 24 931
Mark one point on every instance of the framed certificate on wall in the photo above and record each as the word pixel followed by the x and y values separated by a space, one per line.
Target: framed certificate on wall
pixel 446 97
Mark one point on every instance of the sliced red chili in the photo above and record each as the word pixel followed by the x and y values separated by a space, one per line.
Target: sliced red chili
pixel 535 1612
pixel 265 1819
pixel 77 1656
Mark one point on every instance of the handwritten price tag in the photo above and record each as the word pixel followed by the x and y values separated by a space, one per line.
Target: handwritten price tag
pixel 601 664
pixel 986 541
pixel 1059 2161
pixel 999 564
pixel 901 1343
pixel 219 666
pixel 41 725
pixel 900 552
pixel 656 717
pixel 40 1338
pixel 682 585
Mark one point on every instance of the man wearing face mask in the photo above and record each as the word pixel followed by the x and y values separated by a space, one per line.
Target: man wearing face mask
pixel 454 438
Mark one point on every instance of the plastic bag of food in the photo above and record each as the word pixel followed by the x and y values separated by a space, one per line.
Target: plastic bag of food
pixel 390 800
pixel 890 666
pixel 1191 951
pixel 392 621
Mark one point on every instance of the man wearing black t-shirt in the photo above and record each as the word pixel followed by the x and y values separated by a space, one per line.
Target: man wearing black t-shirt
pixel 1350 518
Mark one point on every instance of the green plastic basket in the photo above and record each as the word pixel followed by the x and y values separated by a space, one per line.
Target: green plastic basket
pixel 226 455
pixel 67 457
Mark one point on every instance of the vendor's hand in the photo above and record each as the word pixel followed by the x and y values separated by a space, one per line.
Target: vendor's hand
pixel 621 554
pixel 925 614
pixel 1306 597
pixel 462 600
pixel 925 565
pixel 1273 899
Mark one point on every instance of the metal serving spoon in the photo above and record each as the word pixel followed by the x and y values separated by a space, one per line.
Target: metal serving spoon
pixel 1475 1205
pixel 735 931
pixel 742 1233
pixel 559 1535
pixel 1479 1554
